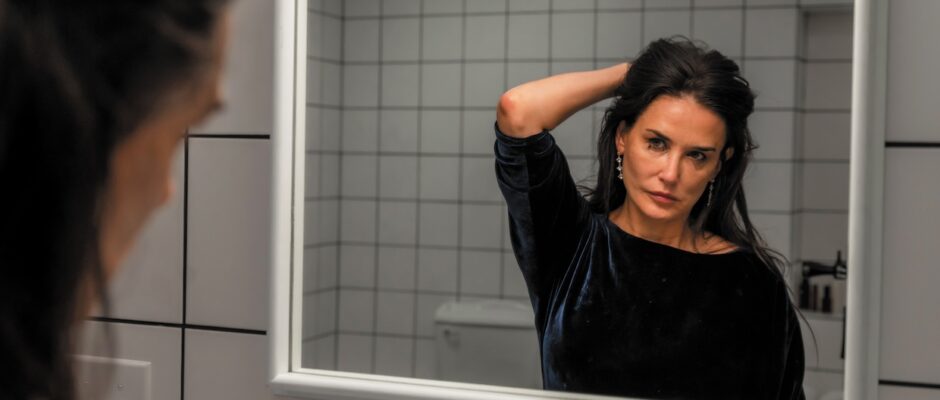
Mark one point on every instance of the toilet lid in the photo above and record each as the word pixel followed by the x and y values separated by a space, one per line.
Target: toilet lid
pixel 503 313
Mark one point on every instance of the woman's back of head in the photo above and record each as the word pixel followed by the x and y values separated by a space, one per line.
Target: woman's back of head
pixel 75 78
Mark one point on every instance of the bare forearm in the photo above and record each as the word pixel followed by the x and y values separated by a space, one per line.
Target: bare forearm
pixel 529 108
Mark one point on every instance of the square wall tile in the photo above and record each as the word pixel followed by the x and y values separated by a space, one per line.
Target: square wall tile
pixel 400 85
pixel 575 135
pixel 440 131
pixel 397 268
pixel 528 5
pixel 361 40
pixel 911 103
pixel 829 35
pixel 477 6
pixel 483 84
pixel 356 310
pixel 827 136
pixel 437 270
pixel 398 130
pixel 395 313
pixel 528 36
pixel 332 32
pixel 776 230
pixel 825 186
pixel 438 224
pixel 355 353
pixel 480 225
pixel 722 29
pixel 619 34
pixel 319 353
pixel 570 38
pixel 828 86
pixel 480 273
pixel 439 177
pixel 361 8
pixel 663 24
pixel 158 345
pixel 394 356
pixel 478 134
pixel 360 85
pixel 397 222
pixel 486 37
pixel 771 32
pixel 229 222
pixel 249 73
pixel 329 129
pixel 401 7
pixel 774 81
pixel 358 221
pixel 442 38
pixel 331 84
pixel 398 177
pixel 619 4
pixel 478 178
pixel 440 85
pixel 400 39
pixel 718 3
pixel 768 186
pixel 823 234
pixel 560 67
pixel 357 265
pixel 669 4
pixel 568 5
pixel 149 285
pixel 758 3
pixel 360 130
pixel 425 362
pixel 442 7
pixel 520 72
pixel 773 131
pixel 359 176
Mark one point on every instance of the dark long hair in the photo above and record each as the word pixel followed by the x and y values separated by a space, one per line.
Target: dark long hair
pixel 675 67
pixel 76 77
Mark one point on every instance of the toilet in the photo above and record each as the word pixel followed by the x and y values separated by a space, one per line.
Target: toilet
pixel 488 341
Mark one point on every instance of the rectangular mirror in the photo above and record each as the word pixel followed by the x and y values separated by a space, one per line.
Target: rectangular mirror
pixel 403 277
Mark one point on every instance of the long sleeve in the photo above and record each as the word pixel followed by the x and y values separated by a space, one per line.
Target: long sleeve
pixel 546 213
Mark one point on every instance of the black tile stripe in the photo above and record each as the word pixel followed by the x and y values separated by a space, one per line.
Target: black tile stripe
pixel 912 145
pixel 177 325
pixel 228 136
pixel 922 385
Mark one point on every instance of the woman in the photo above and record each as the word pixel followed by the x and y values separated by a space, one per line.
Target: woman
pixel 658 285
pixel 95 96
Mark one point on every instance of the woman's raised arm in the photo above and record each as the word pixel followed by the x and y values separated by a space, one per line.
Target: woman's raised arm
pixel 531 107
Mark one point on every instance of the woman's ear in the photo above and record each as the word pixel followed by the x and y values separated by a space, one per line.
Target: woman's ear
pixel 727 156
pixel 620 138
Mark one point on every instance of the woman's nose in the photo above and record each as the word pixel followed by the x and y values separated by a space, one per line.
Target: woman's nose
pixel 669 174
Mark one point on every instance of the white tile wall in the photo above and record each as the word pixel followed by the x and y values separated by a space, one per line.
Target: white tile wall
pixel 909 320
pixel 249 73
pixel 149 286
pixel 619 34
pixel 400 37
pixel 771 32
pixel 721 28
pixel 223 365
pixel 915 58
pixel 228 232
pixel 570 38
pixel 661 24
pixel 485 36
pixel 528 36
pixel 161 346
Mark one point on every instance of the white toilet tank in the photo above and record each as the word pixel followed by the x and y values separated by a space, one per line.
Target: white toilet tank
pixel 490 341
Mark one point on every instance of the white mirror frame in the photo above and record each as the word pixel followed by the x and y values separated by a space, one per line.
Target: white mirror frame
pixel 288 148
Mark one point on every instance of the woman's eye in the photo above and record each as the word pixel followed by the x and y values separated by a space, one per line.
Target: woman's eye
pixel 657 144
pixel 698 156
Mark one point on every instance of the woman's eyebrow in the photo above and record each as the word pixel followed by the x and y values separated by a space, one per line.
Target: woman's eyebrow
pixel 668 140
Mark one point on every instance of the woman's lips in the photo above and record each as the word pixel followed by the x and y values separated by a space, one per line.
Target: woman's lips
pixel 661 197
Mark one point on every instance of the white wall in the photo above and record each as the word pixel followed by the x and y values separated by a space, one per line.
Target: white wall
pixel 910 322
pixel 192 298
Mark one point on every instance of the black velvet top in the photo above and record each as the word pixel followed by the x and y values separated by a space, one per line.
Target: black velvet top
pixel 620 315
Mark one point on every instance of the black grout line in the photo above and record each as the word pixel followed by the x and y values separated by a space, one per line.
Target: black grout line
pixel 227 136
pixel 185 266
pixel 912 144
pixel 417 238
pixel 378 204
pixel 183 326
pixel 339 180
pixel 923 385
pixel 460 146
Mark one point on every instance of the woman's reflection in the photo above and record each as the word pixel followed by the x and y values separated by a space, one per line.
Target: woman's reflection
pixel 657 284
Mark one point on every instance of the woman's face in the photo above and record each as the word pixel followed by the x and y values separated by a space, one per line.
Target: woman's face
pixel 669 156
pixel 139 180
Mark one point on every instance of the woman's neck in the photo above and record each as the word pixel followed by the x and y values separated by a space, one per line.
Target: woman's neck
pixel 674 233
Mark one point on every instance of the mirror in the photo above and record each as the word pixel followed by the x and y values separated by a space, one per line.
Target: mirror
pixel 405 255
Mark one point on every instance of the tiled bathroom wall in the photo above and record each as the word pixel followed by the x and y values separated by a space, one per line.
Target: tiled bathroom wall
pixel 401 102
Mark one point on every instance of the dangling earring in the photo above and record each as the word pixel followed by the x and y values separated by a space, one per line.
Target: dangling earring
pixel 619 167
pixel 711 188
